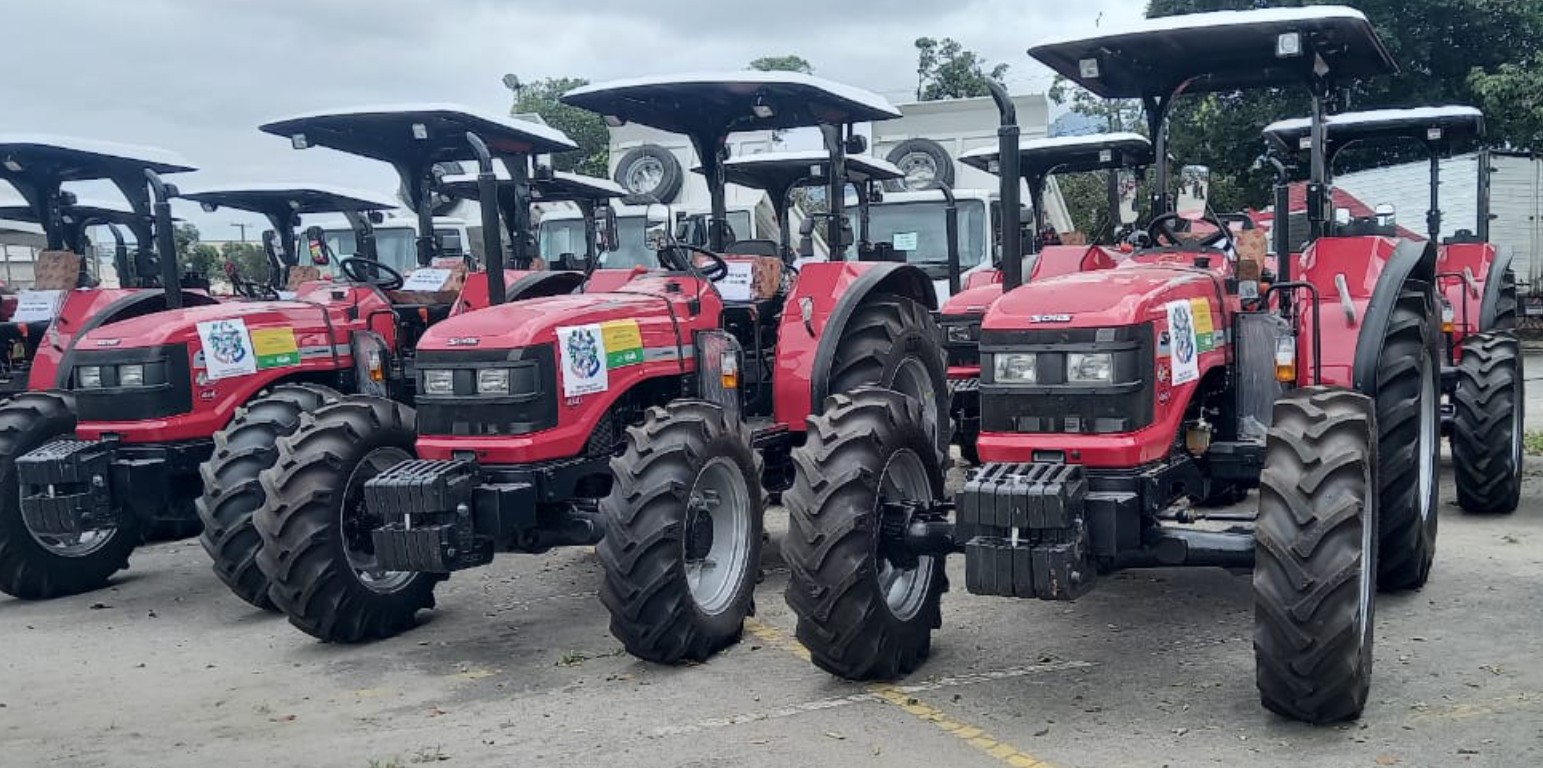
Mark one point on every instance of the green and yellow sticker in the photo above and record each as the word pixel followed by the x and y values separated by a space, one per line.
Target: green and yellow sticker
pixel 1206 336
pixel 275 347
pixel 623 343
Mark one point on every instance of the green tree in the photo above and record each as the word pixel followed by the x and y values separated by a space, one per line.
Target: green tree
pixel 1512 98
pixel 250 260
pixel 1437 44
pixel 945 70
pixel 194 256
pixel 1087 194
pixel 788 63
pixel 586 128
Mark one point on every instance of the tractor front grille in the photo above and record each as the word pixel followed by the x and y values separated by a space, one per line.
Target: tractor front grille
pixel 1054 405
pixel 530 406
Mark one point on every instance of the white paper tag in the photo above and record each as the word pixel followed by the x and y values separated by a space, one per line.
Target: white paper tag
pixel 583 360
pixel 903 241
pixel 227 349
pixel 735 285
pixel 287 295
pixel 1182 343
pixel 426 280
pixel 36 306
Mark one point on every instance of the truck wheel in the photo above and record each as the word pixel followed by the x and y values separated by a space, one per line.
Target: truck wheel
pixel 924 162
pixel 650 170
pixel 1315 550
pixel 316 547
pixel 34 567
pixel 682 544
pixel 1487 428
pixel 1408 440
pixel 893 343
pixel 866 610
pixel 242 450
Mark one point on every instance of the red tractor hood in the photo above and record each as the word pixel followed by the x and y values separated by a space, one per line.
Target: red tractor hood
pixel 972 301
pixel 535 321
pixel 1100 299
pixel 179 325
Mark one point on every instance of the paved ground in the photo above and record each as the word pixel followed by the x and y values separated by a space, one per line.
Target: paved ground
pixel 517 668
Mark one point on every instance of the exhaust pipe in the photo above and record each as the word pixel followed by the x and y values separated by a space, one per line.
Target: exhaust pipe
pixel 165 239
pixel 951 231
pixel 492 243
pixel 1007 173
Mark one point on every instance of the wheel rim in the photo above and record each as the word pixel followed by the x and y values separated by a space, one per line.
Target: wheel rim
pixel 1368 576
pixel 920 169
pixel 717 540
pixel 905 589
pixel 1517 426
pixel 356 522
pixel 645 175
pixel 913 380
pixel 1429 434
pixel 83 544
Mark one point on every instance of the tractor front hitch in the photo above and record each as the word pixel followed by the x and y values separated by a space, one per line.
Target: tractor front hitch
pixel 76 486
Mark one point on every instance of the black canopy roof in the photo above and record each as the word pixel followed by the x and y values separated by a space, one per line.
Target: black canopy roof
pixel 1220 51
pixel 784 170
pixel 300 199
pixel 1453 123
pixel 559 188
pixel 1069 154
pixel 62 158
pixel 419 134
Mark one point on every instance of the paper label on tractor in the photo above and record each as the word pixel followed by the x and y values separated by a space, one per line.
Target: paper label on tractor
pixel 1205 332
pixel 275 347
pixel 903 241
pixel 735 285
pixel 623 343
pixel 426 280
pixel 227 349
pixel 36 306
pixel 584 360
pixel 1185 347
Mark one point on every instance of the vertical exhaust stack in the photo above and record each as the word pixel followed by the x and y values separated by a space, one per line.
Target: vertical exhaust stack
pixel 951 231
pixel 1012 222
pixel 492 243
pixel 165 238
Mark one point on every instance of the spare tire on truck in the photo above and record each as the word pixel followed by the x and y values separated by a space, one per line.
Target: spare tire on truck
pixel 650 170
pixel 924 162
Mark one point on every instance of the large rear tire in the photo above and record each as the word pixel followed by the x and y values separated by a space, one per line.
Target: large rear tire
pixel 1409 441
pixel 316 548
pixel 894 343
pixel 242 450
pixel 682 544
pixel 864 612
pixel 41 568
pixel 1487 426
pixel 1315 554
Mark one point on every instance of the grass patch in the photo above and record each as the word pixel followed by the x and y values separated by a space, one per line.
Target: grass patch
pixel 1533 441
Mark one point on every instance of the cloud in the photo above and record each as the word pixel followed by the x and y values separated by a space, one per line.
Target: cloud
pixel 199 76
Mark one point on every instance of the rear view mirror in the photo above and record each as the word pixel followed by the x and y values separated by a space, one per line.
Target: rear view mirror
pixel 657 227
pixel 605 229
pixel 316 242
pixel 1194 192
pixel 1129 187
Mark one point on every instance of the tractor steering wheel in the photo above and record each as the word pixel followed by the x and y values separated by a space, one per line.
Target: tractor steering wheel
pixel 253 290
pixel 716 270
pixel 356 269
pixel 1162 233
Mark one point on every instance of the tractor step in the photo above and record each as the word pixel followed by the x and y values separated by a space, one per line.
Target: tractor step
pixel 65 488
pixel 1024 533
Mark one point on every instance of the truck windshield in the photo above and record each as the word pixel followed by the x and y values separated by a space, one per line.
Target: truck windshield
pixel 918 230
pixel 560 236
pixel 394 246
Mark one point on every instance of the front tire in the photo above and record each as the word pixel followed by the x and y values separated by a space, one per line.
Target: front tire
pixel 30 567
pixel 864 613
pixel 1315 556
pixel 242 450
pixel 316 549
pixel 894 343
pixel 1409 438
pixel 1487 426
pixel 682 544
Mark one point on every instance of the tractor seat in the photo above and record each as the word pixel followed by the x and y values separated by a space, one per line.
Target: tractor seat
pixel 56 271
pixel 446 295
pixel 300 275
pixel 765 276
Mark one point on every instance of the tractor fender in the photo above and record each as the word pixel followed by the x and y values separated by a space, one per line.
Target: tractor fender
pixel 537 284
pixel 892 279
pixel 1412 262
pixel 1492 284
pixel 118 310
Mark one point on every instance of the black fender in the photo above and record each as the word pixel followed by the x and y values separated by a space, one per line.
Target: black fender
pixel 134 305
pixel 1413 263
pixel 538 284
pixel 1492 284
pixel 897 279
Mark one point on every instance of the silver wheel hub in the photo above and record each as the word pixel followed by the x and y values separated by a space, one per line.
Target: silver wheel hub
pixel 356 523
pixel 716 535
pixel 905 589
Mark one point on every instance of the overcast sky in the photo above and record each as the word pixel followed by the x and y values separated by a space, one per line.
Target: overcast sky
pixel 198 76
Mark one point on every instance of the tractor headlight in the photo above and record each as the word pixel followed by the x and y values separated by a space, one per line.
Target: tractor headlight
pixel 1090 367
pixel 89 377
pixel 438 383
pixel 131 375
pixel 1016 368
pixel 493 381
pixel 962 333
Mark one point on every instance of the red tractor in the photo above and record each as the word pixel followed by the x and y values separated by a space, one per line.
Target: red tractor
pixel 1111 398
pixel 69 303
pixel 141 403
pixel 1038 160
pixel 1481 358
pixel 644 413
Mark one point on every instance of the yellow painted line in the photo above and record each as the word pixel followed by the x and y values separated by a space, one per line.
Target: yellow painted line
pixel 905 699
